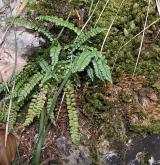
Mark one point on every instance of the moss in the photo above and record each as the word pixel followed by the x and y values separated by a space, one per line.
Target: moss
pixel 43 7
pixel 129 22
pixel 150 129
pixel 157 85
pixel 96 102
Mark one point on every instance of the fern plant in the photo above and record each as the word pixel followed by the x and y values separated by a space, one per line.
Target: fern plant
pixel 33 83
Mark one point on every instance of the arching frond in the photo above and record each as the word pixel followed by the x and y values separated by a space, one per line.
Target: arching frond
pixel 60 22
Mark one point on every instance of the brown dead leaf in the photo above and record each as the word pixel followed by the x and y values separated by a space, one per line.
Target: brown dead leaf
pixel 7 64
pixel 21 9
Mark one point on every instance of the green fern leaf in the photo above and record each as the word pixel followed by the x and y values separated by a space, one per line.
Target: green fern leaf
pixel 36 105
pixel 48 72
pixel 101 67
pixel 87 35
pixel 13 117
pixel 104 69
pixel 28 87
pixel 82 38
pixel 52 117
pixel 13 113
pixel 60 22
pixel 90 73
pixel 96 70
pixel 82 61
pixel 15 94
pixel 22 77
pixel 54 54
pixel 72 114
pixel 2 87
pixel 30 25
pixel 44 65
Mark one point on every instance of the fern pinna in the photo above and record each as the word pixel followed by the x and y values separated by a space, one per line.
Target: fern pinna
pixel 38 85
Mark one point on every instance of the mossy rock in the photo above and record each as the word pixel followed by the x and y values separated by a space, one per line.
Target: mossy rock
pixel 43 7
pixel 150 129
pixel 130 21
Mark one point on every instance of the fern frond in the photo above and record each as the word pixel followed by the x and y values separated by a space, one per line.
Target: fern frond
pixel 24 75
pixel 49 102
pixel 101 70
pixel 90 73
pixel 44 65
pixel 2 87
pixel 30 25
pixel 89 34
pixel 100 65
pixel 73 118
pixel 86 47
pixel 48 72
pixel 47 76
pixel 61 70
pixel 14 95
pixel 13 115
pixel 28 87
pixel 54 54
pixel 96 70
pixel 36 105
pixel 2 116
pixel 82 61
pixel 83 37
pixel 60 22
pixel 104 69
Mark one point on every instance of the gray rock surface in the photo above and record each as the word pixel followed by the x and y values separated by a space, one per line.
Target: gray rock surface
pixel 14 42
pixel 110 158
pixel 72 154
pixel 24 39
pixel 144 148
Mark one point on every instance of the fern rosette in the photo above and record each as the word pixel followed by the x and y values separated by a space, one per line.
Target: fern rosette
pixel 60 64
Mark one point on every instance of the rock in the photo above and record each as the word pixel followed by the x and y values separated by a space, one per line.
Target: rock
pixel 1 4
pixel 103 147
pixel 5 10
pixel 15 42
pixel 71 154
pixel 144 150
pixel 110 158
pixel 26 41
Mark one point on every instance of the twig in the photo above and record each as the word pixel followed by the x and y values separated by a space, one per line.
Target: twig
pixel 109 29
pixel 101 12
pixel 154 22
pixel 14 69
pixel 8 115
pixel 19 12
pixel 141 44
pixel 90 16
pixel 60 106
pixel 4 35
pixel 90 8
